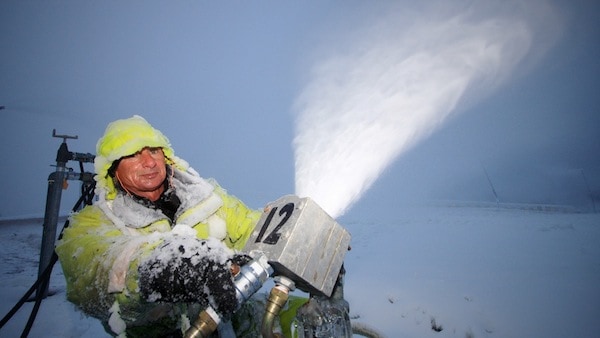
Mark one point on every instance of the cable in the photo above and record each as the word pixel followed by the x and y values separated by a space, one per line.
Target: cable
pixel 44 278
pixel 23 299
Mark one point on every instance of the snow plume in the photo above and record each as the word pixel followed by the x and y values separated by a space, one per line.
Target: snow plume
pixel 374 95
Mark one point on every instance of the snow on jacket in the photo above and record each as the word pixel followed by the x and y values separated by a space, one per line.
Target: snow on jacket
pixel 135 269
pixel 102 248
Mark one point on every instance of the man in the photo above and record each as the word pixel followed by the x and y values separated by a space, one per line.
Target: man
pixel 158 244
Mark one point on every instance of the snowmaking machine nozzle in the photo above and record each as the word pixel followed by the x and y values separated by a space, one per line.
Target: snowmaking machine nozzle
pixel 302 242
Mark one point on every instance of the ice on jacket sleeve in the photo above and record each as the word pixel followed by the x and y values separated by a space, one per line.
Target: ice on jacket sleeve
pixel 188 270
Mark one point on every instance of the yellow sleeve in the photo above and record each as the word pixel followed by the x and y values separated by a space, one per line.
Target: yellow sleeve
pixel 240 219
pixel 82 253
pixel 88 251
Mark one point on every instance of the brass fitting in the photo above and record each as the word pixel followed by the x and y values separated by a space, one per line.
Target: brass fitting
pixel 203 327
pixel 277 299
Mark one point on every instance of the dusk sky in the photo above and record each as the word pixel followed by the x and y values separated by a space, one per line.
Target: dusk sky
pixel 361 105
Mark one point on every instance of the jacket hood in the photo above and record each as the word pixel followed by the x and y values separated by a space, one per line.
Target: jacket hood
pixel 123 138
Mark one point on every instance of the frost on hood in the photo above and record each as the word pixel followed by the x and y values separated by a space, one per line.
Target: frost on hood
pixel 189 270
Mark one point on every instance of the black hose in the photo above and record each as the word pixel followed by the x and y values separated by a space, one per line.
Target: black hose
pixel 44 279
pixel 27 294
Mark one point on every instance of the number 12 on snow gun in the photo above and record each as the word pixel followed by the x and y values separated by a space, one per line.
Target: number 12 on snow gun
pixel 301 246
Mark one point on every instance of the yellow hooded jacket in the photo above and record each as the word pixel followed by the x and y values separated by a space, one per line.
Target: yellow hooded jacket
pixel 101 249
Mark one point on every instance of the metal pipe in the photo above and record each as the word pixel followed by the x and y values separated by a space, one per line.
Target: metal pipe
pixel 56 181
pixel 55 187
pixel 277 298
pixel 251 277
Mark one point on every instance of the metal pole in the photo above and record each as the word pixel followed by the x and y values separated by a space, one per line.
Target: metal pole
pixel 491 185
pixel 55 186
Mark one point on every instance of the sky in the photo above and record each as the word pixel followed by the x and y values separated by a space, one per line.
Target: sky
pixel 360 105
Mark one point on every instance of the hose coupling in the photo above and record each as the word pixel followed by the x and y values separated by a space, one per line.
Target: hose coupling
pixel 204 325
pixel 277 298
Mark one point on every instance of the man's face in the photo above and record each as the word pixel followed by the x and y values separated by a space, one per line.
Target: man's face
pixel 143 173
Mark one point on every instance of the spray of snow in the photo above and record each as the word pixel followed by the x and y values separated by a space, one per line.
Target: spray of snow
pixel 397 81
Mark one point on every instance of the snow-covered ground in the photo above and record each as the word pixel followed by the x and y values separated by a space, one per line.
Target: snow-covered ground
pixel 465 271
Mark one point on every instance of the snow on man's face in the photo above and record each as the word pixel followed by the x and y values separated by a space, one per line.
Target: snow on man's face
pixel 143 173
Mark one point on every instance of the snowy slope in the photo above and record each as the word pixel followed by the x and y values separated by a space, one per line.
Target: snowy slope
pixel 477 273
pixel 467 272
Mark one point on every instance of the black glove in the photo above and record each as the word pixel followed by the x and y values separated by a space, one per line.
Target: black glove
pixel 191 271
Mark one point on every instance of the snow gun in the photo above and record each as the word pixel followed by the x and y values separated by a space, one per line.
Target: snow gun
pixel 300 246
